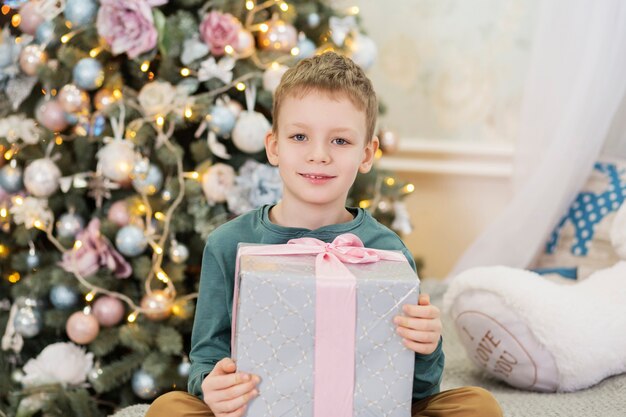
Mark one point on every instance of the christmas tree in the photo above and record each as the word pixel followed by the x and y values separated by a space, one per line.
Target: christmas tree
pixel 129 130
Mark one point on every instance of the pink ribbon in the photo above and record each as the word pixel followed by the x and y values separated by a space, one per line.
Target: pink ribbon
pixel 335 313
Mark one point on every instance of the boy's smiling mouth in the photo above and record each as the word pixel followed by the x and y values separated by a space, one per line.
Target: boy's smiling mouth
pixel 315 177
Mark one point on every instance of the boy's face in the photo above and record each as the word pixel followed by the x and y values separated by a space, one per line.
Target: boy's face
pixel 319 147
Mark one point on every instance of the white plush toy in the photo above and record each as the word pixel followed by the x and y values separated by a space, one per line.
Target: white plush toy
pixel 541 335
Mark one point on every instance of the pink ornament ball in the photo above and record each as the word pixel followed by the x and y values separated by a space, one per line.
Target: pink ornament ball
pixel 51 115
pixel 108 310
pixel 118 213
pixel 82 328
pixel 30 18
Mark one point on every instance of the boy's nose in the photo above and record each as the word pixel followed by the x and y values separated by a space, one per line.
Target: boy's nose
pixel 319 153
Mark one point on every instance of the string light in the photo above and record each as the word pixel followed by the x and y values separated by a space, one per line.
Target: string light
pixel 5 9
pixel 95 51
pixel 58 140
pixel 193 175
pixel 162 276
pixel 68 24
pixel 263 27
pixel 17 200
pixel 185 72
pixel 390 181
pixel 365 204
pixel 4 213
pixel 66 38
pixel 409 188
pixel 132 317
pixel 16 20
pixel 240 86
pixel 160 121
pixel 145 66
pixel 249 5
pixel 159 216
pixel 14 277
pixel 90 296
pixel 38 224
pixel 295 51
pixel 378 154
pixel 157 249
pixel 284 7
pixel 229 49
pixel 188 112
pixel 4 251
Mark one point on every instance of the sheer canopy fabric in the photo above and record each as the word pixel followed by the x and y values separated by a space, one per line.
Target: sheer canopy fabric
pixel 572 101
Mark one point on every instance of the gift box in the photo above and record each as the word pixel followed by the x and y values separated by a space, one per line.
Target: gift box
pixel 315 322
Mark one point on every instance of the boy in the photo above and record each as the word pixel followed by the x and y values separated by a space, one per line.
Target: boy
pixel 323 134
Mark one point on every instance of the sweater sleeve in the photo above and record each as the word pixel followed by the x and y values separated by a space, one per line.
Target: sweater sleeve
pixel 210 337
pixel 428 370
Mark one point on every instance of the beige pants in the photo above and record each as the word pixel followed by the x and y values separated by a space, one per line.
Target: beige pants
pixel 460 402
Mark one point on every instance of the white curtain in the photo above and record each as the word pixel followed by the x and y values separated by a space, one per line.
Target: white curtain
pixel 573 95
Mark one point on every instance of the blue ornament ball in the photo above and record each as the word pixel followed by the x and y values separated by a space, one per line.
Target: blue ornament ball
pixel 27 320
pixel 222 120
pixel 80 12
pixel 306 48
pixel 88 74
pixel 151 182
pixel 130 240
pixel 63 297
pixel 69 224
pixel 8 53
pixel 11 178
pixel 144 385
pixel 45 33
pixel 32 260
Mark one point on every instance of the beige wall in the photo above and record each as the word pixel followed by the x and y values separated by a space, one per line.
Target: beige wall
pixel 458 191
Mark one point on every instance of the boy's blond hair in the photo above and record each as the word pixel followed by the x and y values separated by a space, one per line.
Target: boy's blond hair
pixel 334 74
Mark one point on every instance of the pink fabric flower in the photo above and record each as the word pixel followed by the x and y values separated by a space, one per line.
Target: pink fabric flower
pixel 127 26
pixel 218 30
pixel 95 252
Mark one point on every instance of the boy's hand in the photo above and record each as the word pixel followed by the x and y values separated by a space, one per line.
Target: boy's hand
pixel 226 391
pixel 420 327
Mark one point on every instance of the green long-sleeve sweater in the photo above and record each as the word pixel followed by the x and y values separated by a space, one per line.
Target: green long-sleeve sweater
pixel 210 339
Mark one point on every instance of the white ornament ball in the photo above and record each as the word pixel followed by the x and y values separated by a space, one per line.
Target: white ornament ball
pixel 245 43
pixel 217 182
pixel 117 159
pixel 272 76
pixel 363 50
pixel 249 132
pixel 41 177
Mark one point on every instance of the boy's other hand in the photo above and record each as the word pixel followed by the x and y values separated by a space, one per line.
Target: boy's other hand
pixel 227 391
pixel 420 327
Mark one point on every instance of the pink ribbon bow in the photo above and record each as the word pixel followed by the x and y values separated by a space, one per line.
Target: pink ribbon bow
pixel 335 313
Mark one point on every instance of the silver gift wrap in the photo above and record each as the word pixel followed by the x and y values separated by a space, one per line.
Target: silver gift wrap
pixel 275 328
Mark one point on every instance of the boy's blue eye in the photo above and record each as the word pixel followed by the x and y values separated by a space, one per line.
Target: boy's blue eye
pixel 298 137
pixel 340 141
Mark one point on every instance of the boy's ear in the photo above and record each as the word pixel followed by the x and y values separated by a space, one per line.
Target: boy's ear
pixel 271 148
pixel 369 155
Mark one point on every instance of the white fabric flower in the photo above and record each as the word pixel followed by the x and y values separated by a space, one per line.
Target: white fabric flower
pixel 58 363
pixel 222 70
pixel 30 210
pixel 161 98
pixel 17 127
